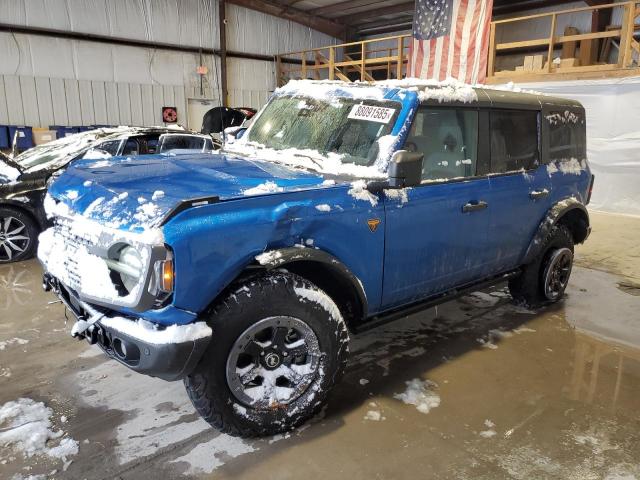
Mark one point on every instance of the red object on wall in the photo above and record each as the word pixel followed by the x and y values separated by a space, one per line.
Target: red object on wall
pixel 169 114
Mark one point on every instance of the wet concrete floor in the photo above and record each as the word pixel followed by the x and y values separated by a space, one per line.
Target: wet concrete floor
pixel 515 394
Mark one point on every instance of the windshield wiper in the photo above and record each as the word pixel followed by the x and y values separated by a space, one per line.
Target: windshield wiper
pixel 314 160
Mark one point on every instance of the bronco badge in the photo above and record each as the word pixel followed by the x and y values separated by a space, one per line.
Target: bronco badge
pixel 373 224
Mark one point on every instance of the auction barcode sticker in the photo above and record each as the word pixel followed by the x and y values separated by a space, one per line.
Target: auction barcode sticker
pixel 371 113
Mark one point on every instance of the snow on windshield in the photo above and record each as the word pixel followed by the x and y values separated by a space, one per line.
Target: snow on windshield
pixel 325 131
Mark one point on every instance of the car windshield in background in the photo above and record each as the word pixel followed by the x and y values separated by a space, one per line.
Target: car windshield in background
pixel 347 127
pixel 173 142
pixel 53 153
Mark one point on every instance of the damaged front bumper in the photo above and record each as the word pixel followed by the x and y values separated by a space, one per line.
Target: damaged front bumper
pixel 170 353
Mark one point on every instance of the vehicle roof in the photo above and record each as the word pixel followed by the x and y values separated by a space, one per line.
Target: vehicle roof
pixel 434 92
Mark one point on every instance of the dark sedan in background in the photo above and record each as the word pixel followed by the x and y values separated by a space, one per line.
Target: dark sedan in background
pixel 24 179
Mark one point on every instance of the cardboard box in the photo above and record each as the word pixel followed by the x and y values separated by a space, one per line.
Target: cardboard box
pixel 41 136
pixel 533 62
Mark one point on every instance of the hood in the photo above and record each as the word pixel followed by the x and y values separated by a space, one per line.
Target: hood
pixel 137 192
pixel 9 171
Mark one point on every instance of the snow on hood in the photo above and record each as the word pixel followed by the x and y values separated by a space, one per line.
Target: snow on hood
pixel 132 194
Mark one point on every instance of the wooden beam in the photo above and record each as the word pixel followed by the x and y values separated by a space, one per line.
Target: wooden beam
pixel 524 5
pixel 323 25
pixel 389 29
pixel 341 7
pixel 385 22
pixel 356 18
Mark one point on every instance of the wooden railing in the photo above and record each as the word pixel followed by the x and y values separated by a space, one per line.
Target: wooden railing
pixel 546 63
pixel 368 60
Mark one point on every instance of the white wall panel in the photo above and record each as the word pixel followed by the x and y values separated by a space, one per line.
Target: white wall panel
pixel 111 96
pixel 73 101
pixel 45 103
pixel 124 103
pixel 59 100
pixel 99 103
pixel 135 94
pixel 4 115
pixel 147 105
pixel 14 100
pixel 158 103
pixel 86 103
pixel 29 100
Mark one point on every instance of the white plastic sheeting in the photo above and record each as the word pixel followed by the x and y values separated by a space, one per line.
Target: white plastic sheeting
pixel 46 81
pixel 613 137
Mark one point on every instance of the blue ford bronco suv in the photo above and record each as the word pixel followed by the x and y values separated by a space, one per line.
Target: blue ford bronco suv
pixel 244 272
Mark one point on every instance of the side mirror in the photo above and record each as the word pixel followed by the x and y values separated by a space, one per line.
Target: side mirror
pixel 405 169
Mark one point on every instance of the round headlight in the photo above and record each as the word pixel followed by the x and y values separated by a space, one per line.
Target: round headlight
pixel 132 266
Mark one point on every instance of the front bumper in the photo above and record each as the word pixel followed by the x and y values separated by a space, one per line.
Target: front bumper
pixel 148 349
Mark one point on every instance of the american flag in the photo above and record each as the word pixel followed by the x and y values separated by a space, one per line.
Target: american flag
pixel 450 39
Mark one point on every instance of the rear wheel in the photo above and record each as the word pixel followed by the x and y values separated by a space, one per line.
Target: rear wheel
pixel 18 235
pixel 279 345
pixel 545 279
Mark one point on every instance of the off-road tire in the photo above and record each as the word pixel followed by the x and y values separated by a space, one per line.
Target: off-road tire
pixel 527 289
pixel 265 296
pixel 31 230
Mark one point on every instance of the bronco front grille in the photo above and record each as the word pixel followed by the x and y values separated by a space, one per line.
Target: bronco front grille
pixel 73 243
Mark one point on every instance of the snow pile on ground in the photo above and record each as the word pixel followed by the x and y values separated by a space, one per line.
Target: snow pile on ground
pixel 421 394
pixel 208 456
pixel 374 416
pixel 26 425
pixel 359 191
pixel 263 188
pixel 12 341
pixel 489 432
pixel 8 173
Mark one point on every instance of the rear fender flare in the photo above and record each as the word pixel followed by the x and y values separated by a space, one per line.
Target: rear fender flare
pixel 554 216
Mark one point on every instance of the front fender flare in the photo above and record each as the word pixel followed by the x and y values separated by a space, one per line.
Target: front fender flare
pixel 272 259
pixel 554 214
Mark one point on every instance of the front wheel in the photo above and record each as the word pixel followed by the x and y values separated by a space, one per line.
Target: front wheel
pixel 545 279
pixel 18 235
pixel 279 345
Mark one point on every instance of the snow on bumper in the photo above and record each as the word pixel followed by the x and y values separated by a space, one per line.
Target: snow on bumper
pixel 168 352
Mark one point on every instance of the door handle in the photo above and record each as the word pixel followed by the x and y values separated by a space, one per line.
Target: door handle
pixel 474 207
pixel 536 194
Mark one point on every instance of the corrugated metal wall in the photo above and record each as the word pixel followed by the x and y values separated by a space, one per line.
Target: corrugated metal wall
pixel 46 81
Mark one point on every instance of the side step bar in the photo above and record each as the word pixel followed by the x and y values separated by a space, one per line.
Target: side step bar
pixel 432 301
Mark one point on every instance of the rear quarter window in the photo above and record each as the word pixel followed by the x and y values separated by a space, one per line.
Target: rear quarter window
pixel 567 136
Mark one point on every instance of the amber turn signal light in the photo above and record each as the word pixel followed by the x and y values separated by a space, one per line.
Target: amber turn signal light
pixel 167 276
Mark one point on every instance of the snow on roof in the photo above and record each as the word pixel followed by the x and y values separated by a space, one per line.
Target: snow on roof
pixel 448 90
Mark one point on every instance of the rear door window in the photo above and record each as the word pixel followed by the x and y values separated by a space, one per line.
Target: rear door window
pixel 448 137
pixel 514 140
